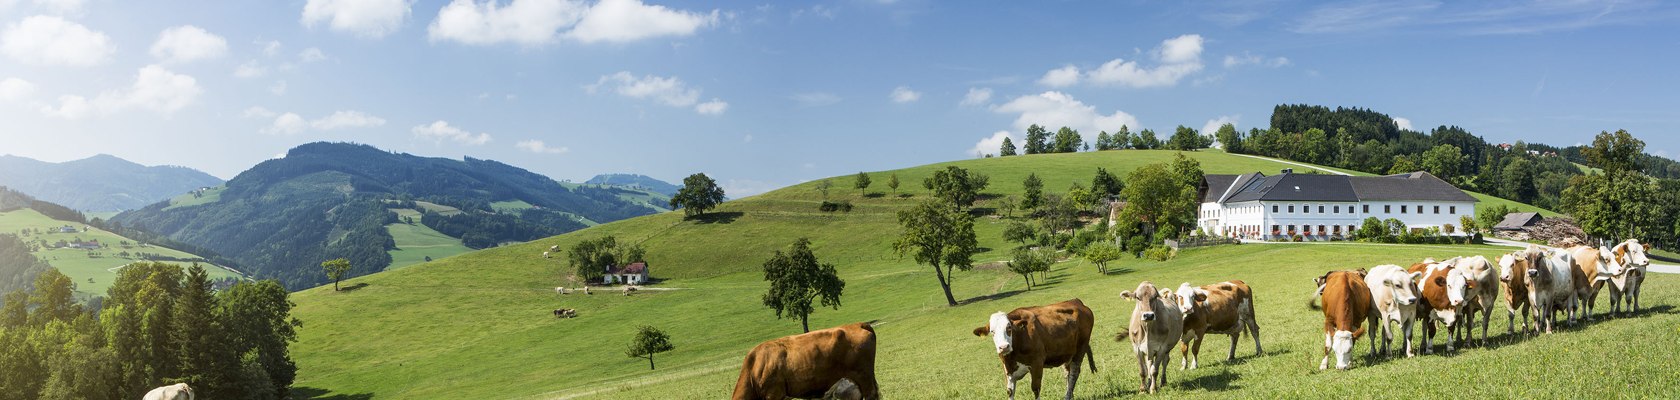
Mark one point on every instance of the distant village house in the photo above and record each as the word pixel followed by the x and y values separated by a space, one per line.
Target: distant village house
pixel 632 274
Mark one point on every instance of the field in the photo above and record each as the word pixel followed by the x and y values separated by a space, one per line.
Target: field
pixel 188 200
pixel 93 271
pixel 478 325
pixel 416 242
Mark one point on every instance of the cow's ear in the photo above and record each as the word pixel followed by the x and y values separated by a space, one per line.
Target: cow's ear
pixel 1127 294
pixel 1440 281
pixel 982 330
pixel 1415 275
pixel 1469 284
pixel 1201 295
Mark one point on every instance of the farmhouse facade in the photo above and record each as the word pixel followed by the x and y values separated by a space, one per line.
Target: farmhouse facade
pixel 1321 207
pixel 632 274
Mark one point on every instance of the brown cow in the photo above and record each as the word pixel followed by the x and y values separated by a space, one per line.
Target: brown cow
pixel 1595 266
pixel 1442 292
pixel 1631 256
pixel 1030 339
pixel 1347 303
pixel 1155 327
pixel 1513 271
pixel 1222 308
pixel 808 365
pixel 1483 285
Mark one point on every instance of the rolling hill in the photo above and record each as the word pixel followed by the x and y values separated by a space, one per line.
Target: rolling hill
pixel 100 183
pixel 635 181
pixel 281 218
pixel 478 324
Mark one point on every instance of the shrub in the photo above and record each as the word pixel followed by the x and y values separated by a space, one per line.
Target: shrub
pixel 842 206
pixel 1158 253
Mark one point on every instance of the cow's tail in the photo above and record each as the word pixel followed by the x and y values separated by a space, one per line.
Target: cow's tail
pixel 1090 359
pixel 745 385
pixel 1312 302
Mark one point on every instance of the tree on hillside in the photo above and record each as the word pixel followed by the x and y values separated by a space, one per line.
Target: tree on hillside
pixel 590 259
pixel 1008 148
pixel 649 341
pixel 937 233
pixel 958 186
pixel 861 182
pixel 1618 151
pixel 1036 137
pixel 1033 193
pixel 822 187
pixel 1229 139
pixel 1516 181
pixel 892 183
pixel 1443 161
pixel 1008 205
pixel 1146 140
pixel 1122 139
pixel 698 194
pixel 1160 199
pixel 336 270
pixel 1104 141
pixel 797 279
pixel 1020 232
pixel 1105 184
pixel 1101 253
pixel 1026 262
pixel 1184 138
pixel 1067 141
pixel 1403 165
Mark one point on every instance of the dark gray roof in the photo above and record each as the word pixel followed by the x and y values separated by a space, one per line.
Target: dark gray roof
pixel 1334 188
pixel 1516 221
pixel 1413 186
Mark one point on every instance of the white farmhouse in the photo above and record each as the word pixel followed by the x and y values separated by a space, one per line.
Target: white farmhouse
pixel 1319 207
pixel 633 274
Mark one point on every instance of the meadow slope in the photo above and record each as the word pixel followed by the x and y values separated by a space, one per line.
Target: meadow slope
pixel 478 325
pixel 93 271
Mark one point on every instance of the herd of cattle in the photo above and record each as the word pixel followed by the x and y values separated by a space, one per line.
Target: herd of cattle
pixel 839 363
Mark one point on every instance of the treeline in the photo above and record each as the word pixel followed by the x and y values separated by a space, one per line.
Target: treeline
pixel 13 200
pixel 1069 140
pixel 157 325
pixel 18 267
pixel 481 230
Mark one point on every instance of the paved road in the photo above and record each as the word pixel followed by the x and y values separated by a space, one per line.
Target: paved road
pixel 1658 268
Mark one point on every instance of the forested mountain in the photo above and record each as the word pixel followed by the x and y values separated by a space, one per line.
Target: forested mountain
pixel 283 217
pixel 635 181
pixel 100 183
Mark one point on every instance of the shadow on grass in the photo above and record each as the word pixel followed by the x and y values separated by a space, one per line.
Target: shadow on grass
pixel 875 195
pixel 993 296
pixel 323 394
pixel 716 217
pixel 1119 271
pixel 1218 382
pixel 905 195
pixel 355 287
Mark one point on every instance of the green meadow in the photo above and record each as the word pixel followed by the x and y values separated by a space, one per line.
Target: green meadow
pixel 92 270
pixel 478 325
pixel 415 242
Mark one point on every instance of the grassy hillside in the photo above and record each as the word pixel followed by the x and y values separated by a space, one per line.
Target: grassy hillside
pixel 415 241
pixel 478 325
pixel 92 270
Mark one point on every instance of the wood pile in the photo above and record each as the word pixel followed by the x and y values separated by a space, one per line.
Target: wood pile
pixel 1555 231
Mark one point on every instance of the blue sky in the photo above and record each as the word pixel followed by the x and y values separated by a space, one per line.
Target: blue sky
pixel 761 95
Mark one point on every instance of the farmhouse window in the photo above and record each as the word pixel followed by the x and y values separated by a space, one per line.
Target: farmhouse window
pixel 1402 209
pixel 1292 209
pixel 1367 208
pixel 1437 209
pixel 1387 209
pixel 1452 209
pixel 1336 209
pixel 1274 208
pixel 1320 209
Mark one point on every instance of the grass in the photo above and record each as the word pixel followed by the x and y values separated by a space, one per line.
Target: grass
pixel 437 208
pixel 513 207
pixel 416 242
pixel 478 325
pixel 93 271
pixel 188 200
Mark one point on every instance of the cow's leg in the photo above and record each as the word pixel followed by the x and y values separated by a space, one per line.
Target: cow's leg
pixel 1143 371
pixel 1196 351
pixel 1166 357
pixel 1428 335
pixel 1254 332
pixel 1322 365
pixel 1406 331
pixel 1487 317
pixel 1235 336
pixel 1072 376
pixel 1014 376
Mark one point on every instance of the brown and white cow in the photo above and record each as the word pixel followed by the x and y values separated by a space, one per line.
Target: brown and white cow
pixel 1394 297
pixel 1347 313
pixel 1155 328
pixel 1596 266
pixel 808 365
pixel 1030 339
pixel 1482 283
pixel 1513 271
pixel 1630 255
pixel 1442 291
pixel 1223 308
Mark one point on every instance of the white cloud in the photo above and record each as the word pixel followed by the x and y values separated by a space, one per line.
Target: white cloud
pixel 365 18
pixel 537 146
pixel 278 88
pixel 714 107
pixel 903 94
pixel 631 20
pixel 1060 77
pixel 1178 58
pixel 668 90
pixel 154 89
pixel 527 22
pixel 1054 109
pixel 1404 123
pixel 1213 125
pixel 188 43
pixel 15 90
pixel 53 41
pixel 271 48
pixel 250 69
pixel 440 131
pixel 292 123
pixel 815 99
pixel 976 96
pixel 991 144
pixel 1233 61
pixel 60 7
pixel 311 54
pixel 540 22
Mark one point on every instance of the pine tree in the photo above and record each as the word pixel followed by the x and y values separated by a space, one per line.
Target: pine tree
pixel 1008 148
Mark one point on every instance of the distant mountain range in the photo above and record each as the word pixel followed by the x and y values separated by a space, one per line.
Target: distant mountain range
pixel 283 217
pixel 635 181
pixel 100 183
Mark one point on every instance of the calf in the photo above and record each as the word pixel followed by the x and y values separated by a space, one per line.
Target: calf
pixel 1630 255
pixel 1443 290
pixel 1223 308
pixel 1593 267
pixel 1551 287
pixel 1347 304
pixel 811 364
pixel 1029 339
pixel 1483 286
pixel 1394 296
pixel 1155 327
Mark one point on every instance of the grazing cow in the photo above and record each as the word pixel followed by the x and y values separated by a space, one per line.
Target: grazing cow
pixel 810 365
pixel 1347 313
pixel 560 290
pixel 1030 339
pixel 1596 265
pixel 1394 296
pixel 179 391
pixel 1483 285
pixel 545 254
pixel 1631 256
pixel 1156 326
pixel 565 313
pixel 1222 308
pixel 1442 291
pixel 843 390
pixel 1551 287
pixel 586 290
pixel 554 249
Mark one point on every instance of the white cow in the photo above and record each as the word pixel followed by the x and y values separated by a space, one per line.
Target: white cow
pixel 1394 295
pixel 545 254
pixel 554 248
pixel 1631 256
pixel 1484 289
pixel 179 391
pixel 1551 288
pixel 560 290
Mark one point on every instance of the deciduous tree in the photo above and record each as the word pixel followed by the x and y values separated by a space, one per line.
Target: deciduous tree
pixel 1036 137
pixel 1032 192
pixel 797 279
pixel 1101 253
pixel 698 194
pixel 957 185
pixel 938 234
pixel 1008 148
pixel 336 270
pixel 649 341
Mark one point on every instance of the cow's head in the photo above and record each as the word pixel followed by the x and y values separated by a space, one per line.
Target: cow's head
pixel 1147 298
pixel 1458 286
pixel 1002 328
pixel 1188 296
pixel 1402 284
pixel 1631 254
pixel 1607 262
